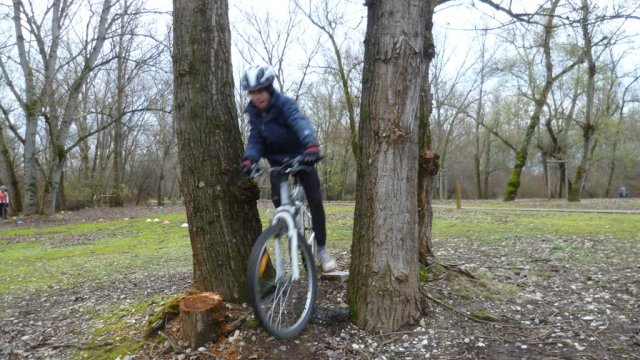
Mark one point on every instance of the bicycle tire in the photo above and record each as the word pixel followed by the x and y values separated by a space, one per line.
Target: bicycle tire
pixel 282 307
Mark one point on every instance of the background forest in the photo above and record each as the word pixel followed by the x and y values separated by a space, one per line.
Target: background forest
pixel 86 96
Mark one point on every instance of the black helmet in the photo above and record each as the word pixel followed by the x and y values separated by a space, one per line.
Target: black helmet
pixel 258 76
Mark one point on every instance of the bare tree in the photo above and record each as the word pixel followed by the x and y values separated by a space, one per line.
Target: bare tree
pixel 588 125
pixel 8 175
pixel 328 17
pixel 264 39
pixel 166 145
pixel 326 104
pixel 42 98
pixel 30 101
pixel 555 147
pixel 621 115
pixel 539 102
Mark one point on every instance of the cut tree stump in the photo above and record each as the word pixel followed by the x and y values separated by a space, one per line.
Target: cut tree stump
pixel 201 315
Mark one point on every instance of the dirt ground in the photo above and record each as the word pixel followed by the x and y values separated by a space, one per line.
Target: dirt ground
pixel 526 304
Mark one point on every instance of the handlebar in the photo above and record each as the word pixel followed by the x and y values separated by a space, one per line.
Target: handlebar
pixel 289 167
pixel 255 171
pixel 292 166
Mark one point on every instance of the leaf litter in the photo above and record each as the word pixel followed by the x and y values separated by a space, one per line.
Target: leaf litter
pixel 543 296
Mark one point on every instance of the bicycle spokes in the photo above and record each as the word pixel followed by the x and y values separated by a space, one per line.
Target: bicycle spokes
pixel 283 303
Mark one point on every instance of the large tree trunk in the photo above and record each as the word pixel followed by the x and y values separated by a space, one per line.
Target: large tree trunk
pixel 221 204
pixel 383 289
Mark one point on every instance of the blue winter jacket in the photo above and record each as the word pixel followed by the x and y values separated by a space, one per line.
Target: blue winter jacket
pixel 279 133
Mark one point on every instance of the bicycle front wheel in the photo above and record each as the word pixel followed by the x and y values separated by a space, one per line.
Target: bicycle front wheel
pixel 283 305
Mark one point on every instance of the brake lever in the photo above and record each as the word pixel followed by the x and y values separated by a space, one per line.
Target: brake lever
pixel 255 171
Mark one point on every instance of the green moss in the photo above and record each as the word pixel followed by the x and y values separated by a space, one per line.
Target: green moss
pixel 252 323
pixel 434 272
pixel 121 330
pixel 484 315
pixel 168 311
pixel 483 286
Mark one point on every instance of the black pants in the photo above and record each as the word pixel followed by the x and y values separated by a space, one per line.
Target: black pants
pixel 310 182
pixel 3 210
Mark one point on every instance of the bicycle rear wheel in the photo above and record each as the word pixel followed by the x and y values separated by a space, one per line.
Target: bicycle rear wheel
pixel 282 305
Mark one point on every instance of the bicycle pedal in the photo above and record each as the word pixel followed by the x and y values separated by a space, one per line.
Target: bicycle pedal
pixel 335 275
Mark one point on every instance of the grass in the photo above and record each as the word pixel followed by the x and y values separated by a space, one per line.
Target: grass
pixel 486 226
pixel 64 256
pixel 46 259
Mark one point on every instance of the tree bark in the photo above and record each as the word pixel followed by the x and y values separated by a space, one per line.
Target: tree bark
pixel 383 290
pixel 220 202
pixel 428 161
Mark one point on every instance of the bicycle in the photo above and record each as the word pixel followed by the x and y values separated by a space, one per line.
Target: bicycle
pixel 281 270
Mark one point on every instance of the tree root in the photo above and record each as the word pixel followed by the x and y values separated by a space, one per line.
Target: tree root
pixel 175 347
pixel 479 317
pixel 231 328
pixel 76 346
pixel 454 268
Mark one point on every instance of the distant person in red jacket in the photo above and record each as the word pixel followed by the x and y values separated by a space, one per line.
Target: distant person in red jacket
pixel 4 202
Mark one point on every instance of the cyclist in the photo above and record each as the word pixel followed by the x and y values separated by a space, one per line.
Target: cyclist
pixel 279 131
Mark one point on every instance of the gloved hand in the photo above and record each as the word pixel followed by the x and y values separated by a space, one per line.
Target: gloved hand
pixel 247 167
pixel 312 155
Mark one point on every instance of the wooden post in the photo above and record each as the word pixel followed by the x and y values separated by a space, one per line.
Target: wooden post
pixel 200 316
pixel 458 195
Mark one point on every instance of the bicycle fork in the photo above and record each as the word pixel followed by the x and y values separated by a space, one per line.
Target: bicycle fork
pixel 293 244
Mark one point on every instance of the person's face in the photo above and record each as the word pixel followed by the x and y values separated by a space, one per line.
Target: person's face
pixel 260 98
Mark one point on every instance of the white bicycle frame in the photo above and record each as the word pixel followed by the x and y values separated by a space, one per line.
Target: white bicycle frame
pixel 285 212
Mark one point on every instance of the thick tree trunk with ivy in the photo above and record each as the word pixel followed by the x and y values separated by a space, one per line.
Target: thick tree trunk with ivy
pixel 513 184
pixel 429 163
pixel 221 204
pixel 384 290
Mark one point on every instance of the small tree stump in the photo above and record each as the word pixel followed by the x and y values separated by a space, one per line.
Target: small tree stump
pixel 200 315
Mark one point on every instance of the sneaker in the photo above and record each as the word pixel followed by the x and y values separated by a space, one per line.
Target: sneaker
pixel 326 261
